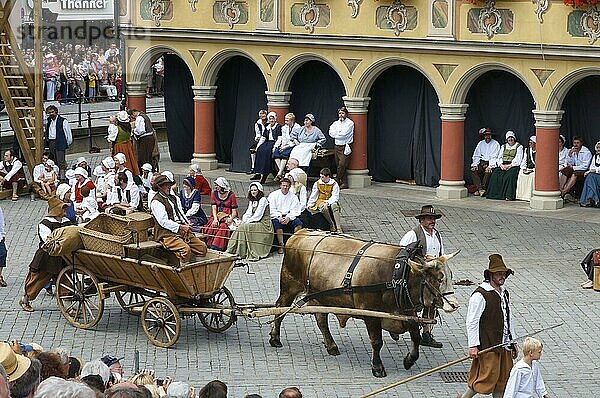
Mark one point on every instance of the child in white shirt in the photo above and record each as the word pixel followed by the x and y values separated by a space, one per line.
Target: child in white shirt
pixel 48 177
pixel 525 380
pixel 88 209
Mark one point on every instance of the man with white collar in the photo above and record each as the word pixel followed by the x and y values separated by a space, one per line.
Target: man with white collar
pixel 293 167
pixel 144 134
pixel 58 137
pixel 342 131
pixel 285 209
pixel 324 199
pixel 172 228
pixel 11 174
pixel 489 323
pixel 579 158
pixel 486 150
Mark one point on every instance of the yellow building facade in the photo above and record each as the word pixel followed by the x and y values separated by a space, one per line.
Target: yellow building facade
pixel 373 50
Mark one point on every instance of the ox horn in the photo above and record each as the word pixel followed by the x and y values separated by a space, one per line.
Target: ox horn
pixel 415 266
pixel 448 256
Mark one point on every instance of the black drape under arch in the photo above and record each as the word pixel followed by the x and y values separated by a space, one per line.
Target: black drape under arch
pixel 179 108
pixel 404 128
pixel 316 88
pixel 501 101
pixel 240 95
pixel 582 112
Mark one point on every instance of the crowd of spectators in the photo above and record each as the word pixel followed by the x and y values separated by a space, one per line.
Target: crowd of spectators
pixel 29 371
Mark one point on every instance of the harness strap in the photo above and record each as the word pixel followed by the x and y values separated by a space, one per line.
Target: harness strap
pixel 345 290
pixel 347 281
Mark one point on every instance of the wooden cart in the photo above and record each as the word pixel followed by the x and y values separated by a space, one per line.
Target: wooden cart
pixel 161 293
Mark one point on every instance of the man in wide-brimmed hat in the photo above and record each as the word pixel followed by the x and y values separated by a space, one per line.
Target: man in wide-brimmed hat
pixel 431 242
pixel 489 323
pixel 486 150
pixel 44 267
pixel 173 230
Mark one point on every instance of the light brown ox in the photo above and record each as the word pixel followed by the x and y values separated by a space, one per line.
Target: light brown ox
pixel 322 260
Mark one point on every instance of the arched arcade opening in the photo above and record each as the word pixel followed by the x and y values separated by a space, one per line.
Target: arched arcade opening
pixel 404 127
pixel 582 112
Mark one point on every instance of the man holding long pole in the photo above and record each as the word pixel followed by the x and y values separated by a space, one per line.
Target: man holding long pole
pixel 489 323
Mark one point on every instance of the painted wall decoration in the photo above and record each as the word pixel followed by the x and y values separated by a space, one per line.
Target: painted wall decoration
pixel 271 59
pixel 156 10
pixel 310 15
pixel 351 63
pixel 230 12
pixel 541 6
pixel 584 23
pixel 490 20
pixel 542 74
pixel 197 55
pixel 397 17
pixel 123 7
pixel 355 5
pixel 445 70
pixel 439 12
pixel 267 10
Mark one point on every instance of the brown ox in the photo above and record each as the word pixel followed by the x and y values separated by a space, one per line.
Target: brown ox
pixel 316 261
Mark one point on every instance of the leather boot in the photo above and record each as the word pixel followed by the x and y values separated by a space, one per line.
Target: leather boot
pixel 428 340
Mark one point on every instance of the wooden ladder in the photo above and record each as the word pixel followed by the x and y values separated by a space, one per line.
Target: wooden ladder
pixel 17 91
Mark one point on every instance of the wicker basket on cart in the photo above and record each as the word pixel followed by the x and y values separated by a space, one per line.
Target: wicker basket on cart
pixel 106 234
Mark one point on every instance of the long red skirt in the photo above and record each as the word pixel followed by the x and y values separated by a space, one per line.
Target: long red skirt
pixel 217 238
pixel 126 149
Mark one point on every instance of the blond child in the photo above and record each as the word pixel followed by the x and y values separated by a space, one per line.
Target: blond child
pixel 48 178
pixel 525 380
pixel 88 209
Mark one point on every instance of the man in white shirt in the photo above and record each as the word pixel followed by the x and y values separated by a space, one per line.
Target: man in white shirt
pixel 431 242
pixel 485 152
pixel 284 207
pixel 342 131
pixel 324 198
pixel 11 174
pixel 489 323
pixel 58 138
pixel 124 198
pixel 259 126
pixel 578 162
pixel 293 167
pixel 173 230
pixel 144 133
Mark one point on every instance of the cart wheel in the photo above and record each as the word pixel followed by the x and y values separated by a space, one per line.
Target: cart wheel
pixel 218 323
pixel 79 297
pixel 130 299
pixel 161 322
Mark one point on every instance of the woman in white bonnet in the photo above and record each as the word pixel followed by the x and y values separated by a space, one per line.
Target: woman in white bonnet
pixel 224 213
pixel 503 181
pixel 526 180
pixel 253 237
pixel 264 150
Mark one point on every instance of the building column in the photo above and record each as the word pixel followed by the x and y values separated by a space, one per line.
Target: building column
pixel 136 96
pixel 452 183
pixel 279 102
pixel 204 127
pixel 358 172
pixel 546 195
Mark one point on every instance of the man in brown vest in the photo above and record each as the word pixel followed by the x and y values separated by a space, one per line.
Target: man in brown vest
pixel 489 323
pixel 172 228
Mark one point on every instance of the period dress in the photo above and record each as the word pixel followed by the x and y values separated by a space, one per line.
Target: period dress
pixel 526 181
pixel 264 162
pixel 253 238
pixel 503 183
pixel 590 195
pixel 218 237
pixel 191 207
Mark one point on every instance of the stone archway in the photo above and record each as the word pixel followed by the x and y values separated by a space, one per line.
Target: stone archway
pixel 287 72
pixel 210 72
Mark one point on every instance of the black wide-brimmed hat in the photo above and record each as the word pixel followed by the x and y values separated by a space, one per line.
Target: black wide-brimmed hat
pixel 429 211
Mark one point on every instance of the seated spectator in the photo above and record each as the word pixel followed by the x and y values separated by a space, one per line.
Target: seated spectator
pixel 88 209
pixel 82 162
pixel 11 174
pixel 578 162
pixel 51 366
pixel 290 392
pixel 284 211
pixel 96 368
pixel 224 214
pixel 81 179
pixel 115 367
pixel 180 389
pixel 526 179
pixel 253 237
pixel 296 171
pixel 63 355
pixel 305 140
pixel 324 199
pixel 48 179
pixel 74 368
pixel 120 166
pixel 108 181
pixel 588 267
pixel 259 126
pixel 590 195
pixel 264 151
pixel 283 146
pixel 55 387
pixel 202 184
pixel 25 385
pixel 172 229
pixel 190 202
pixel 485 152
pixel 15 365
pixel 563 153
pixel 299 190
pixel 503 181
pixel 63 192
pixel 124 197
pixel 124 390
pixel 38 174
pixel 141 379
pixel 4 389
pixel 213 389
pixel 146 178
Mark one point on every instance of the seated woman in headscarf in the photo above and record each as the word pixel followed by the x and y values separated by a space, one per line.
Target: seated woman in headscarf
pixel 590 196
pixel 253 237
pixel 264 149
pixel 526 180
pixel 224 214
pixel 284 145
pixel 190 202
pixel 503 181
pixel 305 140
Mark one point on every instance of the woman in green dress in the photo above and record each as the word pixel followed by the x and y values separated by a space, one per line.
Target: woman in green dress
pixel 503 181
pixel 253 238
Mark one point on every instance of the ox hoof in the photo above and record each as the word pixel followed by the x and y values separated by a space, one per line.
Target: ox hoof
pixel 333 351
pixel 275 343
pixel 408 362
pixel 379 372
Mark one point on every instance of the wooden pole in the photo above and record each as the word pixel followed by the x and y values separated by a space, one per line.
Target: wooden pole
pixel 38 80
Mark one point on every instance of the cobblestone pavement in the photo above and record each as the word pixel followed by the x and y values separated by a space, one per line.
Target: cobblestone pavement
pixel 544 248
